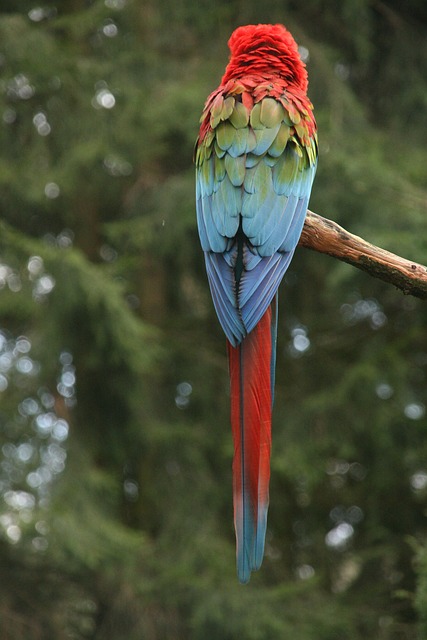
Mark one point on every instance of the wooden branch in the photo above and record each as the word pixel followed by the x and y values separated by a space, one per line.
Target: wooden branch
pixel 325 236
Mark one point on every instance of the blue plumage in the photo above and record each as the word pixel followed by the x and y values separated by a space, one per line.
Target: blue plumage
pixel 240 184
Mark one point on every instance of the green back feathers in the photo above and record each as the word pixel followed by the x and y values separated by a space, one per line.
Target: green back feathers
pixel 232 131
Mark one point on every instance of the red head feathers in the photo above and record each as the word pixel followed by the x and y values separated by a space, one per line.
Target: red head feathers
pixel 265 50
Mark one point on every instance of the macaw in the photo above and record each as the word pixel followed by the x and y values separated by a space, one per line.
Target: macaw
pixel 256 157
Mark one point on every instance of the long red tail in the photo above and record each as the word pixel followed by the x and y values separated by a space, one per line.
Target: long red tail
pixel 252 366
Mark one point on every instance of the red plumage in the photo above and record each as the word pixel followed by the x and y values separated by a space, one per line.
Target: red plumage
pixel 265 49
pixel 251 370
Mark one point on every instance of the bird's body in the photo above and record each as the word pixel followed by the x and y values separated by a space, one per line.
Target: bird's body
pixel 255 157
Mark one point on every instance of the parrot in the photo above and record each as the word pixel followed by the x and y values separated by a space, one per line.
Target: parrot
pixel 255 158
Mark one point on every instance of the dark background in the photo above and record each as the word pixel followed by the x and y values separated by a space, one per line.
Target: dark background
pixel 115 446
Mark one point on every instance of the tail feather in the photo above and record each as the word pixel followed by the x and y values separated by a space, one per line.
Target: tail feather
pixel 252 380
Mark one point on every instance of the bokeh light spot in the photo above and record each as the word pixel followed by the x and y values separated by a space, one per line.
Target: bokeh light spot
pixel 414 410
pixel 339 536
pixel 104 98
pixel 110 29
pixel 52 190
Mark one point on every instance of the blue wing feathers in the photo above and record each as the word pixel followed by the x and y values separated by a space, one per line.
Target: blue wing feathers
pixel 257 289
pixel 210 239
pixel 222 275
pixel 264 139
pixel 219 277
pixel 265 291
pixel 253 278
pixel 240 184
pixel 226 203
pixel 265 235
pixel 251 257
pixel 290 241
pixel 240 142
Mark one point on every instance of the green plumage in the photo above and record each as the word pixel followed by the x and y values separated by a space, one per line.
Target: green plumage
pixel 227 108
pixel 255 117
pixel 281 140
pixel 272 112
pixel 225 134
pixel 239 117
pixel 267 128
pixel 251 158
pixel 236 168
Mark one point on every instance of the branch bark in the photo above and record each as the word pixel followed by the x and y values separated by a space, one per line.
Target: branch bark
pixel 325 236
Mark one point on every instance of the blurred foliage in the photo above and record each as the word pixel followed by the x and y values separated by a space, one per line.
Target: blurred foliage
pixel 115 451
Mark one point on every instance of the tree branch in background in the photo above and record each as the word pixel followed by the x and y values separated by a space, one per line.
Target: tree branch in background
pixel 325 236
